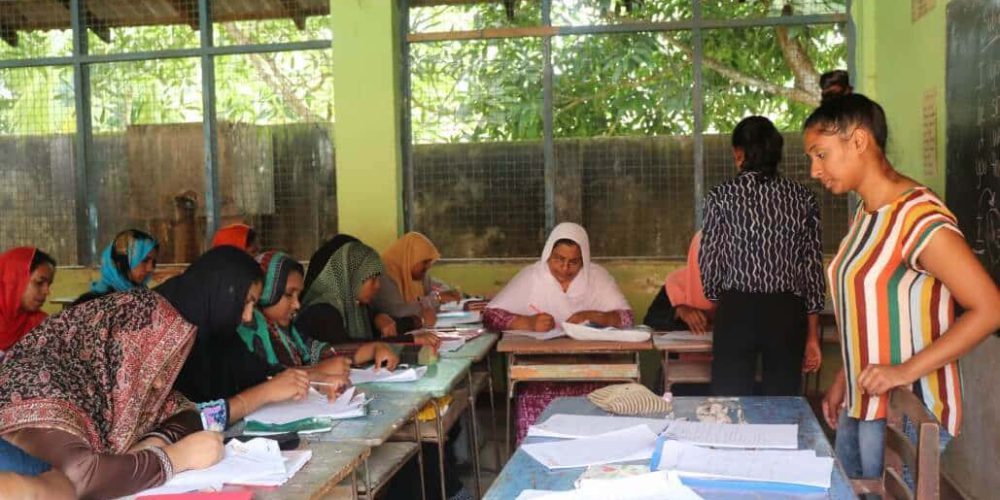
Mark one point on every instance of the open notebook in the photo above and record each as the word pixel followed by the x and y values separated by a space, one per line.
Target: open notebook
pixel 350 404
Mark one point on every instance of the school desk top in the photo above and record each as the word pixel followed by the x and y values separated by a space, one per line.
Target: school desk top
pixel 330 464
pixel 519 344
pixel 523 472
pixel 475 349
pixel 438 382
pixel 386 414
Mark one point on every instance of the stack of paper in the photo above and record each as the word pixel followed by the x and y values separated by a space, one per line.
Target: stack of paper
pixel 649 486
pixel 685 336
pixel 584 332
pixel 256 462
pixel 551 334
pixel 797 467
pixel 402 373
pixel 633 443
pixel 580 426
pixel 350 404
pixel 446 319
pixel 460 305
pixel 450 342
pixel 735 435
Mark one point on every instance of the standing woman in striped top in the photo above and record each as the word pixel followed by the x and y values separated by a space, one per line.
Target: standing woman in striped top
pixel 894 282
pixel 761 262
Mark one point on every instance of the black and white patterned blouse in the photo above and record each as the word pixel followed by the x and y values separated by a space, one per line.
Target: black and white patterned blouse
pixel 762 236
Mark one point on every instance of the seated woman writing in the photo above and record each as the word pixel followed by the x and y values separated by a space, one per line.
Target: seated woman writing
pixel 681 303
pixel 406 289
pixel 272 336
pixel 563 286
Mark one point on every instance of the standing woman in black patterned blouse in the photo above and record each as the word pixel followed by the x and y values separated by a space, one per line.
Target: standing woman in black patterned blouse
pixel 761 261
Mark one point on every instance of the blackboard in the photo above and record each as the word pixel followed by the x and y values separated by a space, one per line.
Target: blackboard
pixel 973 102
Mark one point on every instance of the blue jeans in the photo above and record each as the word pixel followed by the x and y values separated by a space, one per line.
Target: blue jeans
pixel 14 459
pixel 860 446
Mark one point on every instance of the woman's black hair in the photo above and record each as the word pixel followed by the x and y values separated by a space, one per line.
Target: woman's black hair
pixel 564 241
pixel 39 259
pixel 840 114
pixel 761 144
pixel 251 237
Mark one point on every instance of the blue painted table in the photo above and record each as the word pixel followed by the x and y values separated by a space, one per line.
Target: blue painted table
pixel 523 472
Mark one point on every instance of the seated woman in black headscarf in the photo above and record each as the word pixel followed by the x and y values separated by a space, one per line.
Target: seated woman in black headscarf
pixel 342 279
pixel 228 380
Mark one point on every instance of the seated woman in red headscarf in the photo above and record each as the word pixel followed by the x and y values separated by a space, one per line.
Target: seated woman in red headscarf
pixel 240 236
pixel 26 274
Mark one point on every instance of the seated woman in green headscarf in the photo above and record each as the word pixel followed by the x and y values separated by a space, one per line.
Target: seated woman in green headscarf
pixel 272 336
pixel 342 279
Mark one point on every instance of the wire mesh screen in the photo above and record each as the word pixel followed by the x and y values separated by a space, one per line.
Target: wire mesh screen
pixel 146 163
pixel 622 118
pixel 478 168
pixel 37 163
pixel 602 12
pixel 725 9
pixel 627 100
pixel 245 23
pixel 121 26
pixel 275 115
pixel 779 84
pixel 428 15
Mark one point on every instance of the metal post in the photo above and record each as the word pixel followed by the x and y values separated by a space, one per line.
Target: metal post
pixel 86 207
pixel 548 147
pixel 406 134
pixel 212 198
pixel 698 100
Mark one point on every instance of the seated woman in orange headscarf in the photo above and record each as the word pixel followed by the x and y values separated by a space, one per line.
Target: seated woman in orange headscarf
pixel 406 292
pixel 240 236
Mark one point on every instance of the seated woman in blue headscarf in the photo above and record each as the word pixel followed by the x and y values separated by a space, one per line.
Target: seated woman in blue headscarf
pixel 127 263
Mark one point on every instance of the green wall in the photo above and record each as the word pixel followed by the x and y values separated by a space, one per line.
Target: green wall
pixel 898 60
pixel 367 129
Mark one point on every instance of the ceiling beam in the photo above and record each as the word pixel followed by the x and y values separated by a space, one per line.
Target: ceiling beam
pixel 187 10
pixel 94 24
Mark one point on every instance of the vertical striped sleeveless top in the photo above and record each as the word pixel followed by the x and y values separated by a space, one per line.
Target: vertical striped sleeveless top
pixel 889 308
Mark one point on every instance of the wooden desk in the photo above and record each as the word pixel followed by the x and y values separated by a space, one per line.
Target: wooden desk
pixel 440 380
pixel 683 371
pixel 523 472
pixel 478 350
pixel 559 360
pixel 387 414
pixel 330 465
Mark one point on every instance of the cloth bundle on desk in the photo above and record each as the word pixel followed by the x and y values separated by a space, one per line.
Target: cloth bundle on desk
pixel 428 413
pixel 629 399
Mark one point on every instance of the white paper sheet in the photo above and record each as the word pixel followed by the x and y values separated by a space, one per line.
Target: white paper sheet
pixel 579 426
pixel 446 319
pixel 451 344
pixel 684 336
pixel 347 405
pixel 295 460
pixel 583 332
pixel 651 486
pixel 551 334
pixel 402 373
pixel 782 436
pixel 800 467
pixel 634 443
pixel 257 458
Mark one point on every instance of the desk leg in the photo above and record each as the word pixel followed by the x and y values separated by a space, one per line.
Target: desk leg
pixel 440 444
pixel 474 441
pixel 493 409
pixel 510 395
pixel 665 366
pixel 354 486
pixel 420 455
pixel 368 481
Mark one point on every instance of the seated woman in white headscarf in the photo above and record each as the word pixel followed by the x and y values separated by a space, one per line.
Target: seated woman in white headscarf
pixel 563 286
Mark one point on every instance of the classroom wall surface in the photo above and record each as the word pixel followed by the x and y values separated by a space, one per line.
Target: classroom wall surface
pixel 901 64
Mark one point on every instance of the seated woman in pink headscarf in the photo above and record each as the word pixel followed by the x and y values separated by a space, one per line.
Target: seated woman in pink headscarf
pixel 563 286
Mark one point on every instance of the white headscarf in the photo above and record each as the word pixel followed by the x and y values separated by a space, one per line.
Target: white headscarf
pixel 593 288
